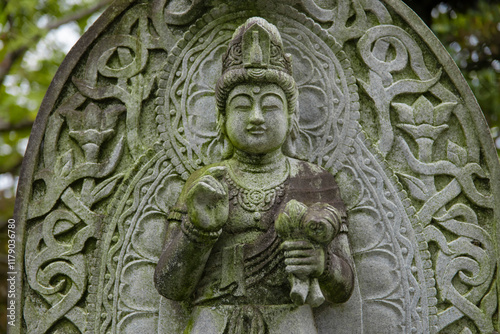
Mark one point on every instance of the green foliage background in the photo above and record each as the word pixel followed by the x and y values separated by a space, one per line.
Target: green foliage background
pixel 31 51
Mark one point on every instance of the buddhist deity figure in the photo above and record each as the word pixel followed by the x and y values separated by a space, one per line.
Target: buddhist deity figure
pixel 256 241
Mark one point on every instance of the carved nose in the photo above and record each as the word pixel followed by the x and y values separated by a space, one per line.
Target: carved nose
pixel 257 117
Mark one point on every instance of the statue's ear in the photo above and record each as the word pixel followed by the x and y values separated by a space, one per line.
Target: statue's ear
pixel 227 149
pixel 289 147
pixel 294 127
pixel 221 123
pixel 293 120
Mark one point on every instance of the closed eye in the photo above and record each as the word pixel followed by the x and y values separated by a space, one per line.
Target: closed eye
pixel 242 108
pixel 272 102
pixel 271 108
pixel 241 102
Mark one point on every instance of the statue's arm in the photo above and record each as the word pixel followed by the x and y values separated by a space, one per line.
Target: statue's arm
pixel 195 226
pixel 182 261
pixel 337 280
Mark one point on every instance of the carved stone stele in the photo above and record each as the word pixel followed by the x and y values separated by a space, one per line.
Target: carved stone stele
pixel 131 116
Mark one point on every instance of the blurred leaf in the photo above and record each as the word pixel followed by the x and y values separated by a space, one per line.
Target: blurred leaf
pixel 472 36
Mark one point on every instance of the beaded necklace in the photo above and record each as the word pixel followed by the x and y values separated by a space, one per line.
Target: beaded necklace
pixel 257 200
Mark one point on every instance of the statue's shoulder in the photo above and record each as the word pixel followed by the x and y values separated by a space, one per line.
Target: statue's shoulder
pixel 310 183
pixel 301 168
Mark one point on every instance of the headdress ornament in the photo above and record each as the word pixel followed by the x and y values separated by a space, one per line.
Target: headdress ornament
pixel 257 45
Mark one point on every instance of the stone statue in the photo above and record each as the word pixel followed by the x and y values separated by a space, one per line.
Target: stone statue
pixel 259 238
pixel 150 154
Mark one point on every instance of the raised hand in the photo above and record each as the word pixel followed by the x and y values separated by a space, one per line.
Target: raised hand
pixel 207 200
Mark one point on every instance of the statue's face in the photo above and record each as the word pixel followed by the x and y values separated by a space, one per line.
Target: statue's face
pixel 257 118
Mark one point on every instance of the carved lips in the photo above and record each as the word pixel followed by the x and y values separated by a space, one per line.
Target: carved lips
pixel 256 130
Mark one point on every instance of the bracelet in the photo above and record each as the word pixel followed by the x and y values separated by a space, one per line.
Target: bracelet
pixel 197 235
pixel 176 214
pixel 325 275
pixel 343 226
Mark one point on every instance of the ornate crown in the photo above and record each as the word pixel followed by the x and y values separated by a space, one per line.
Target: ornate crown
pixel 256 44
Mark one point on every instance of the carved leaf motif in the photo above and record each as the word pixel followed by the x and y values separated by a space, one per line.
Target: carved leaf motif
pixel 424 111
pixel 442 112
pixel 456 154
pixel 417 188
pixel 104 189
pixel 405 112
pixel 67 160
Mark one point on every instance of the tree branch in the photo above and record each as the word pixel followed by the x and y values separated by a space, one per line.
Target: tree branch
pixel 7 127
pixel 13 56
pixel 9 60
pixel 78 15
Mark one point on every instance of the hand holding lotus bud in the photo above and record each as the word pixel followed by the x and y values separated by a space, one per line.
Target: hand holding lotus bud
pixel 306 231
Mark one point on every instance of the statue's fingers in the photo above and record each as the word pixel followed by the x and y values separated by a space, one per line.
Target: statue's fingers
pixel 199 188
pixel 299 253
pixel 299 270
pixel 214 184
pixel 296 245
pixel 301 261
pixel 217 172
pixel 207 186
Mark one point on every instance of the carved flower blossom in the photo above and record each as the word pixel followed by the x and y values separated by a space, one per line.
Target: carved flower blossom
pixel 92 127
pixel 422 119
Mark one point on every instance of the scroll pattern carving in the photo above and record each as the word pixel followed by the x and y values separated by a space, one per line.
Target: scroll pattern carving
pixel 56 268
pixel 464 262
pixel 123 57
pixel 80 162
pixel 414 180
pixel 348 20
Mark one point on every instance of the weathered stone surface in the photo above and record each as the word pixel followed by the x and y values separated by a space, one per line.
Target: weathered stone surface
pixel 131 115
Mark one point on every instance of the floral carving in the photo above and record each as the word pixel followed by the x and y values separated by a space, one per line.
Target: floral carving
pixel 56 267
pixel 418 181
pixel 92 127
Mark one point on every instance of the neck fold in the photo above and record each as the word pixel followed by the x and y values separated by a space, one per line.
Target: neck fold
pixel 259 163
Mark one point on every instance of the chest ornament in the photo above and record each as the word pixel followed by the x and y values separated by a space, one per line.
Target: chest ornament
pixel 257 200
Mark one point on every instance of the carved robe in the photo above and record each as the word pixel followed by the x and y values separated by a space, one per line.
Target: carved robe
pixel 242 275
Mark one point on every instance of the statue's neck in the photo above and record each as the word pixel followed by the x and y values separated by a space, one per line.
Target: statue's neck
pixel 258 163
